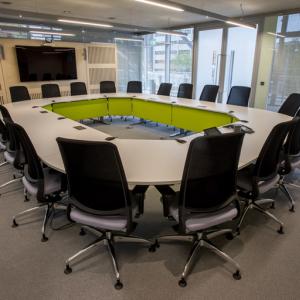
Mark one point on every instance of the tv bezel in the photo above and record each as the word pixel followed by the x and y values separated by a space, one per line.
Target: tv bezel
pixel 45 46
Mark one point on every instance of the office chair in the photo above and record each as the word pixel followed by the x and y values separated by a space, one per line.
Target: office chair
pixel 78 88
pixel 239 95
pixel 107 87
pixel 8 144
pixel 207 196
pixel 209 93
pixel 50 90
pixel 291 105
pixel 40 182
pixel 3 136
pixel 290 161
pixel 164 89
pixel 13 154
pixel 19 93
pixel 100 199
pixel 134 87
pixel 262 176
pixel 185 90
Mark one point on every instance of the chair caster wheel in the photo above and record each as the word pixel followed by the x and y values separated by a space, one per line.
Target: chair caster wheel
pixel 154 246
pixel 118 285
pixel 182 282
pixel 82 232
pixel 14 224
pixel 292 209
pixel 236 233
pixel 237 275
pixel 273 205
pixel 280 230
pixel 68 270
pixel 44 239
pixel 229 236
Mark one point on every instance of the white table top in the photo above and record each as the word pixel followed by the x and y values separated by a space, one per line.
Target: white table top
pixel 146 162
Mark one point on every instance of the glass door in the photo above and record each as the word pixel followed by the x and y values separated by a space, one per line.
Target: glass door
pixel 240 53
pixel 225 58
pixel 209 58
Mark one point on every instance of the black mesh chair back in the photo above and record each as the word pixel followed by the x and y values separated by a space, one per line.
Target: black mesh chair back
pixel 209 177
pixel 134 87
pixel 185 90
pixel 5 113
pixel 292 144
pixel 15 146
pixel 164 89
pixel 78 88
pixel 19 93
pixel 239 95
pixel 50 90
pixel 268 161
pixel 291 105
pixel 96 179
pixel 107 87
pixel 209 93
pixel 34 171
pixel 3 132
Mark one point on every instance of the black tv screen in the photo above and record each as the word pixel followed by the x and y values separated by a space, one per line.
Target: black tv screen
pixel 46 63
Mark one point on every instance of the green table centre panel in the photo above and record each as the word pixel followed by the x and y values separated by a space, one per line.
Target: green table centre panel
pixel 197 120
pixel 48 107
pixel 119 106
pixel 80 110
pixel 154 111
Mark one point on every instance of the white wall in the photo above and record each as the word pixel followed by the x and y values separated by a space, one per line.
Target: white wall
pixel 9 73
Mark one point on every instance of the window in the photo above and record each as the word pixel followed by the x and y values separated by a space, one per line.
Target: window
pixel 129 62
pixel 285 75
pixel 167 59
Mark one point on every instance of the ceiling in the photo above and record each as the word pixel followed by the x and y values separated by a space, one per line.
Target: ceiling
pixel 138 14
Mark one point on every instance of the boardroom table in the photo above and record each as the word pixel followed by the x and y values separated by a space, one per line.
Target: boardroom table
pixel 145 162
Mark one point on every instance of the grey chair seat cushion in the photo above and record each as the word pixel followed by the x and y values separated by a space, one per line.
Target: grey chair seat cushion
pixel 52 183
pixel 202 221
pixel 2 146
pixel 295 161
pixel 245 179
pixel 118 223
pixel 9 157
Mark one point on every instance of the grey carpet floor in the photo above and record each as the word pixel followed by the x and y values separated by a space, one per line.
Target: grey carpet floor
pixel 33 270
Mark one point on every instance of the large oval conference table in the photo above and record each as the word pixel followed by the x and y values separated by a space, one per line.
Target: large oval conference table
pixel 146 162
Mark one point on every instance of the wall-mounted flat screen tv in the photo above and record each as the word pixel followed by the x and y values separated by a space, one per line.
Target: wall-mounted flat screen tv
pixel 46 63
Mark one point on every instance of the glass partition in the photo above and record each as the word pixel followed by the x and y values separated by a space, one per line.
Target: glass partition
pixel 285 75
pixel 167 58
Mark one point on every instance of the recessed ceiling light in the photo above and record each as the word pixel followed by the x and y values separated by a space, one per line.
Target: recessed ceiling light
pixel 128 39
pixel 276 34
pixel 85 23
pixel 172 33
pixel 240 24
pixel 51 33
pixel 161 5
